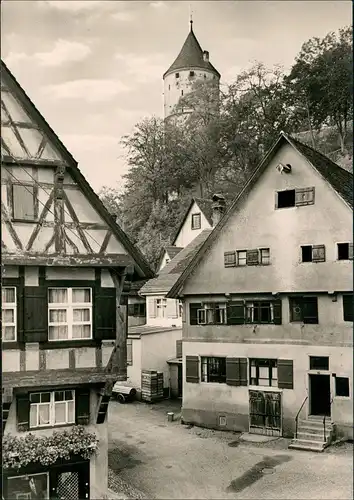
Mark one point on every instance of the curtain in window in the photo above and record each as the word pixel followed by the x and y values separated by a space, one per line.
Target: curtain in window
pixel 43 414
pixel 57 316
pixel 80 315
pixel 58 295
pixel 58 332
pixel 81 295
pixel 81 331
pixel 8 295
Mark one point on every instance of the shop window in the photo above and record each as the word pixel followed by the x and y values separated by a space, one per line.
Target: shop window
pixel 28 486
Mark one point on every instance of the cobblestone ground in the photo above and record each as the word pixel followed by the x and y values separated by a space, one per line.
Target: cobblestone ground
pixel 150 457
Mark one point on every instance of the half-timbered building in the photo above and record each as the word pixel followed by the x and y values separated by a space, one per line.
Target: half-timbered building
pixel 66 269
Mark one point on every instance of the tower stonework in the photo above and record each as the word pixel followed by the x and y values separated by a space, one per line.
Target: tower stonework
pixel 192 64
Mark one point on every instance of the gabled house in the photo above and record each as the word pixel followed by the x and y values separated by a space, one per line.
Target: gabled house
pixel 66 271
pixel 268 300
pixel 198 217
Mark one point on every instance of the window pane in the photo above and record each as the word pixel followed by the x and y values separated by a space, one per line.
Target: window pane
pixel 263 372
pixel 57 316
pixel 59 396
pixel 58 295
pixel 9 333
pixel 81 295
pixel 45 397
pixel 80 315
pixel 253 372
pixel 8 295
pixel 263 381
pixel 33 416
pixel 19 487
pixel 23 202
pixel 81 331
pixel 35 398
pixel 71 413
pixel 8 315
pixel 68 395
pixel 60 413
pixel 43 412
pixel 58 332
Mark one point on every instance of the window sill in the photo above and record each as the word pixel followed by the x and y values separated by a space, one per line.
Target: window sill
pixel 11 344
pixel 58 426
pixel 264 388
pixel 29 221
pixel 342 398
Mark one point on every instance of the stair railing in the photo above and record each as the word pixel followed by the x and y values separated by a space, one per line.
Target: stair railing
pixel 324 422
pixel 297 415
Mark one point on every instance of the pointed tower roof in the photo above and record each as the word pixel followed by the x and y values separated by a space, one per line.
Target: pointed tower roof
pixel 191 56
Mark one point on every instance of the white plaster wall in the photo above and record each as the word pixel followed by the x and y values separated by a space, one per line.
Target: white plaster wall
pixel 157 348
pixel 187 234
pixel 221 397
pixel 134 370
pixel 256 223
pixel 173 86
pixel 67 273
pixel 172 304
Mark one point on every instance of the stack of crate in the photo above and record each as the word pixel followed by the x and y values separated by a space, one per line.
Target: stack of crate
pixel 151 385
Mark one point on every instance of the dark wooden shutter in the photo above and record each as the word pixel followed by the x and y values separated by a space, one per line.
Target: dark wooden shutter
pixel 193 313
pixel 35 321
pixel 178 348
pixel 318 253
pixel 350 251
pixel 310 310
pixel 285 374
pixel 252 257
pixel 102 409
pixel 192 369
pixel 82 404
pixel 229 259
pixel 105 314
pixel 277 304
pixel 348 307
pixel 235 312
pixel 23 411
pixel 304 196
pixel 236 371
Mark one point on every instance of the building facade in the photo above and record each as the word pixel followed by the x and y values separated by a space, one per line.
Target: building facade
pixel 267 337
pixel 66 269
pixel 192 64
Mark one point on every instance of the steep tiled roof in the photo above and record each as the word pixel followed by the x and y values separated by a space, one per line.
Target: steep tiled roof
pixel 191 56
pixel 206 207
pixel 172 271
pixel 173 251
pixel 341 180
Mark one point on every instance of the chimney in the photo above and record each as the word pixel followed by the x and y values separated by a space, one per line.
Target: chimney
pixel 218 208
pixel 205 56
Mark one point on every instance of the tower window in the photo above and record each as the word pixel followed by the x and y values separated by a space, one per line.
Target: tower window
pixel 204 76
pixel 177 75
pixel 181 92
pixel 169 87
pixel 191 73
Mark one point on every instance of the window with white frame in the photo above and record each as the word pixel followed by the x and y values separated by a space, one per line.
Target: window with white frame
pixel 28 486
pixel 161 308
pixel 69 313
pixel 264 372
pixel 52 408
pixel 241 256
pixel 212 314
pixel 9 313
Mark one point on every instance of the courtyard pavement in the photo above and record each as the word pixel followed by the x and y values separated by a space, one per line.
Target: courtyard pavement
pixel 150 457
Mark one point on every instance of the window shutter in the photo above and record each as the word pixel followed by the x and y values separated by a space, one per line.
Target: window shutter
pixel 178 348
pixel 252 257
pixel 318 253
pixel 102 409
pixel 105 314
pixel 193 313
pixel 285 374
pixel 304 196
pixel 348 307
pixel 35 324
pixel 277 304
pixel 350 251
pixel 230 259
pixel 20 312
pixel 310 310
pixel 171 308
pixel 235 313
pixel 23 411
pixel 152 308
pixel 192 369
pixel 236 371
pixel 82 406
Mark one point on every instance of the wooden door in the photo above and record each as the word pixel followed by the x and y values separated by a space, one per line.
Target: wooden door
pixel 265 412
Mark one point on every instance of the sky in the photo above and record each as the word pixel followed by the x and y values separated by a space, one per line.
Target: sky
pixel 94 68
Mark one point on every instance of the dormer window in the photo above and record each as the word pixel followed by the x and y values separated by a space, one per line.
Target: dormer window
pixel 177 75
pixel 191 74
pixel 196 221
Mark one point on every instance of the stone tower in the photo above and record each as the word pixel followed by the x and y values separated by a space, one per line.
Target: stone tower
pixel 191 64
